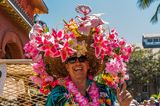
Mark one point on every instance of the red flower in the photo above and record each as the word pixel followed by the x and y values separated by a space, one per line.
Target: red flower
pixel 53 84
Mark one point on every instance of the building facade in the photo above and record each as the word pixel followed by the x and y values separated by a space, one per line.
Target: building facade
pixel 151 40
pixel 16 20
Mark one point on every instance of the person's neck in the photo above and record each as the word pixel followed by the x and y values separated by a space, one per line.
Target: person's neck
pixel 81 85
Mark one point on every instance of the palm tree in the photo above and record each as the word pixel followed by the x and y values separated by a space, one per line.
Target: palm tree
pixel 143 4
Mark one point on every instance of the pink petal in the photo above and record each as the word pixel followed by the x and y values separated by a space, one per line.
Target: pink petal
pixel 111 36
pixel 47 52
pixel 53 49
pixel 96 39
pixel 63 55
pixel 59 34
pixel 57 54
pixel 65 45
pixel 38 39
pixel 54 32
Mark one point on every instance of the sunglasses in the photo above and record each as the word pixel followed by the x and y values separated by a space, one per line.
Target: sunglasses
pixel 72 60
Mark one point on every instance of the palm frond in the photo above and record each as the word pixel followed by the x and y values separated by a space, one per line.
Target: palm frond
pixel 142 4
pixel 154 19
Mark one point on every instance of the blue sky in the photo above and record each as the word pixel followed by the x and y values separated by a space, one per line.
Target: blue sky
pixel 124 15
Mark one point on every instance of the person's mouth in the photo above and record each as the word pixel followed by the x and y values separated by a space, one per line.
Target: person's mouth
pixel 78 69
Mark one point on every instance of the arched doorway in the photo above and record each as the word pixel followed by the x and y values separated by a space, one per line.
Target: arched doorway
pixel 12 51
pixel 12 46
pixel 8 54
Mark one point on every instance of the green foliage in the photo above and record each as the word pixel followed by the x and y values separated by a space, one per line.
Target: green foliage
pixel 156 96
pixel 99 79
pixel 143 4
pixel 143 67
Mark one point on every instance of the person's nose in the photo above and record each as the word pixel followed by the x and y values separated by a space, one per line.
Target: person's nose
pixel 77 61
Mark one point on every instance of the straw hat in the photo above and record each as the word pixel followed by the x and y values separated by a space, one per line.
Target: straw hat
pixel 83 35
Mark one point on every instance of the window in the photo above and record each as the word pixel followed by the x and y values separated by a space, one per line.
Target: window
pixel 149 40
pixel 155 39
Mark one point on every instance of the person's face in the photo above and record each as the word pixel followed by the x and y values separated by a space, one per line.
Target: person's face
pixel 77 67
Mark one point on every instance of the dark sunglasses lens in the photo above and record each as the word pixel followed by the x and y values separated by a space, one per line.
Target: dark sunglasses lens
pixel 72 60
pixel 82 59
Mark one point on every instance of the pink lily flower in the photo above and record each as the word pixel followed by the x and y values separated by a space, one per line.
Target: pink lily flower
pixel 109 50
pixel 39 67
pixel 113 34
pixel 50 50
pixel 57 35
pixel 35 31
pixel 66 51
pixel 112 67
pixel 99 45
pixel 31 49
pixel 122 42
pixel 83 9
pixel 88 22
pixel 126 52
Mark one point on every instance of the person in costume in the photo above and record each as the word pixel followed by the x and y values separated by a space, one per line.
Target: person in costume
pixel 80 90
pixel 81 65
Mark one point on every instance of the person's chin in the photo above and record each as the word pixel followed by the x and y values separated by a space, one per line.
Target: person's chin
pixel 80 76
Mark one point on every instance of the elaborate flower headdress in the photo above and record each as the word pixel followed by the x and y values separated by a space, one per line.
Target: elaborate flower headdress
pixel 84 35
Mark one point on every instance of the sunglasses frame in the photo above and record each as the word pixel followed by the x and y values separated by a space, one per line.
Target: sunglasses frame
pixel 73 60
